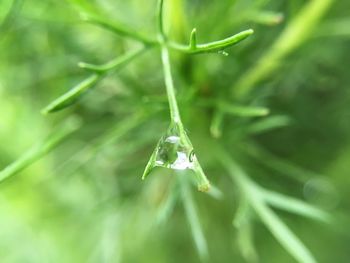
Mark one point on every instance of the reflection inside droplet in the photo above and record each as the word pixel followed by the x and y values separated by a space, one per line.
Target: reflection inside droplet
pixel 172 153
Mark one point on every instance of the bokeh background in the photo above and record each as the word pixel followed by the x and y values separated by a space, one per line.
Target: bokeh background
pixel 85 201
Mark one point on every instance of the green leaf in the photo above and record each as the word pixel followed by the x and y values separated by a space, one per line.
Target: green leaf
pixel 224 43
pixel 117 28
pixel 217 123
pixel 243 111
pixel 268 18
pixel 211 47
pixel 268 124
pixel 282 166
pixel 295 206
pixel 215 192
pixel 246 242
pixel 193 39
pixel 79 90
pixel 113 64
pixel 255 196
pixel 282 233
pixel 202 180
pixel 41 149
pixel 193 219
pixel 339 27
pixel 71 96
pixel 151 163
pixel 242 213
pixel 167 207
pixel 243 223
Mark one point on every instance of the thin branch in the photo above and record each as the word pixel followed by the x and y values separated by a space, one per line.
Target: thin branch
pixel 119 29
pixel 100 71
pixel 211 47
pixel 256 198
pixel 113 64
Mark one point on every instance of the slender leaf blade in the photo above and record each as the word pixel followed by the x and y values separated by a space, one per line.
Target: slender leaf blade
pixel 283 234
pixel 39 150
pixel 295 206
pixel 71 96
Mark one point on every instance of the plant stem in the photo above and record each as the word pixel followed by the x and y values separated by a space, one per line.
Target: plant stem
pixel 203 183
pixel 160 21
pixel 119 29
pixel 169 83
pixel 115 63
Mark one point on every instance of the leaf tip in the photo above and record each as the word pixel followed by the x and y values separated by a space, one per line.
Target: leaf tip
pixel 204 187
pixel 81 64
pixel 44 112
pixel 250 31
pixel 193 39
pixel 265 112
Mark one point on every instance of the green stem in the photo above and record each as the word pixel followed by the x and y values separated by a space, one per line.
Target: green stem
pixel 193 48
pixel 100 71
pixel 115 63
pixel 169 83
pixel 203 183
pixel 161 20
pixel 211 47
pixel 193 219
pixel 119 29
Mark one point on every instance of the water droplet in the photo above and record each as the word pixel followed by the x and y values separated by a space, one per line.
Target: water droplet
pixel 174 153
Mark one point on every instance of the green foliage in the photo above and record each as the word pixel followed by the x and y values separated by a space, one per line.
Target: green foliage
pixel 241 113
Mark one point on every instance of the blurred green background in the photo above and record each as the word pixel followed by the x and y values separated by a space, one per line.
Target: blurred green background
pixel 85 201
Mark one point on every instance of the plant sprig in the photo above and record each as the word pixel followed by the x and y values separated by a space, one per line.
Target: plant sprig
pixel 210 47
pixel 100 72
pixel 261 200
pixel 176 126
pixel 75 93
pixel 40 149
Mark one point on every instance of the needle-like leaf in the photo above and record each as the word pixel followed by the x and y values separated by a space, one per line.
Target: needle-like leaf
pixel 79 90
pixel 246 242
pixel 256 200
pixel 71 96
pixel 283 234
pixel 268 124
pixel 113 64
pixel 243 111
pixel 268 18
pixel 278 164
pixel 215 46
pixel 193 219
pixel 235 109
pixel 41 149
pixel 295 206
pixel 117 28
pixel 193 39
